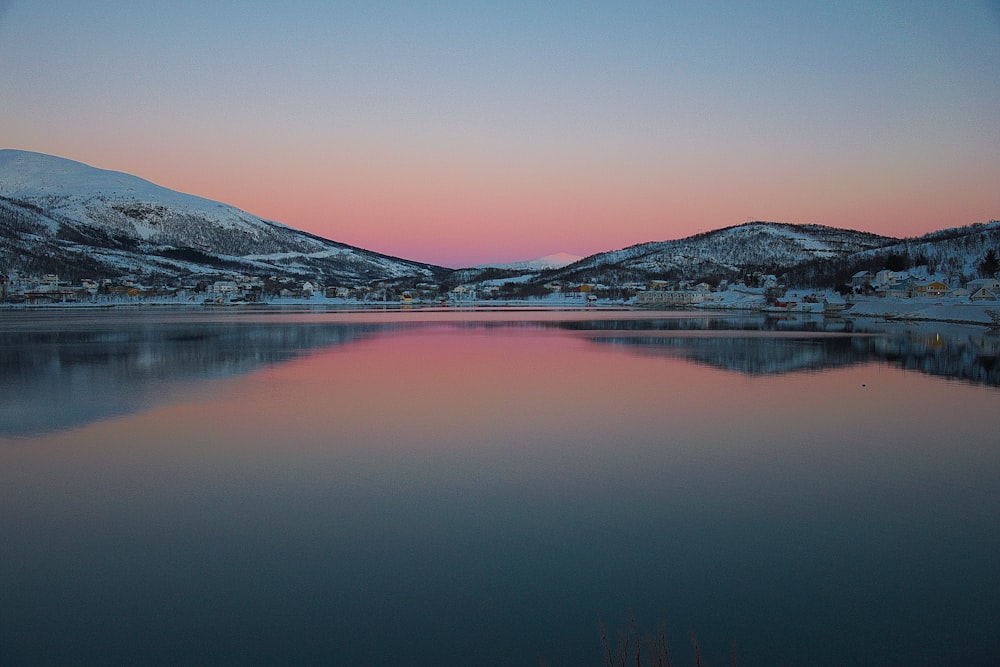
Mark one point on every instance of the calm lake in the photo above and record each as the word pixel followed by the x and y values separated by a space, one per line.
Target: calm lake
pixel 489 488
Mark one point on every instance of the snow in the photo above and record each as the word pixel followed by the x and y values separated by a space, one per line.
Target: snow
pixel 496 282
pixel 954 310
pixel 27 175
pixel 942 309
pixel 730 249
pixel 84 194
pixel 555 261
pixel 808 243
pixel 945 309
pixel 277 256
pixel 122 206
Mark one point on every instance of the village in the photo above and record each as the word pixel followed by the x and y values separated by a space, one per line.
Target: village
pixel 754 292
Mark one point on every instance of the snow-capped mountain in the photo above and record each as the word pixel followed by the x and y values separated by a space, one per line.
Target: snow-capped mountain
pixel 555 261
pixel 805 255
pixel 65 217
pixel 766 247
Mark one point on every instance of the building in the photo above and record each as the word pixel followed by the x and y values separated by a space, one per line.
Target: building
pixel 656 297
pixel 983 294
pixel 931 288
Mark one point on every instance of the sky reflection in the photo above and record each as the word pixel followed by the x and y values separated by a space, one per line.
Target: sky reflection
pixel 59 373
pixel 445 493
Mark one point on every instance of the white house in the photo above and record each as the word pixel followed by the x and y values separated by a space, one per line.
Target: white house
pixel 221 287
pixel 983 294
pixel 860 279
pixel 992 284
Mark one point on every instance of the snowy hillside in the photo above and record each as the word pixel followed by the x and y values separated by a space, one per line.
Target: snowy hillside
pixel 957 253
pixel 767 247
pixel 61 216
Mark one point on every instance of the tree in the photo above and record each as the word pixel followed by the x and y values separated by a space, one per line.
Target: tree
pixel 896 262
pixel 990 265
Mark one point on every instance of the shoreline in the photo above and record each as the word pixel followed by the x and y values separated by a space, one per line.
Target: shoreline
pixel 946 310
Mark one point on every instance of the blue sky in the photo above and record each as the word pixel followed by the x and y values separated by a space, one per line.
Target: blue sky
pixel 466 132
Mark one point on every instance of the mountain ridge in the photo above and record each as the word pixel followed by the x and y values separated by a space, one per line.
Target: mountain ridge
pixel 66 212
pixel 65 217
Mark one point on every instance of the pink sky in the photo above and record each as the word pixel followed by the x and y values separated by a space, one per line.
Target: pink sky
pixel 504 212
pixel 459 137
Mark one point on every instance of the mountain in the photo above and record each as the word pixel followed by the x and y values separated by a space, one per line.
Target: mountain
pixel 556 261
pixel 732 252
pixel 957 252
pixel 803 255
pixel 65 217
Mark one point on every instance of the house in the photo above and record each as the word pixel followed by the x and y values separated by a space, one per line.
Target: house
pixel 992 284
pixel 983 294
pixel 50 296
pixel 671 298
pixel 886 277
pixel 834 303
pixel 903 289
pixel 861 279
pixel 931 288
pixel 664 298
pixel 338 292
pixel 223 287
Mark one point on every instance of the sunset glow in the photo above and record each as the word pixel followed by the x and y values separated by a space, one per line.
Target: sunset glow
pixel 460 135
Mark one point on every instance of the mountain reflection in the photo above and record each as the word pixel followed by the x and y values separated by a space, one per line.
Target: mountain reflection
pixel 762 345
pixel 64 372
pixel 61 377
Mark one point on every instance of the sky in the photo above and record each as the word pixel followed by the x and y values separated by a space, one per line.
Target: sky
pixel 464 133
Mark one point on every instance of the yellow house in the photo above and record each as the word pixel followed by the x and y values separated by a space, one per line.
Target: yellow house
pixel 932 288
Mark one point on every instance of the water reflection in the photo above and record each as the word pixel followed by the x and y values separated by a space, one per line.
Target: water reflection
pixel 59 372
pixel 767 346
pixel 485 489
pixel 69 372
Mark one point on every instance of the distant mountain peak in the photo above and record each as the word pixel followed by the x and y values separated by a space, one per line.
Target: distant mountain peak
pixel 555 261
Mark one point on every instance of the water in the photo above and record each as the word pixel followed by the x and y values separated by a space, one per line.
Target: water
pixel 489 488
